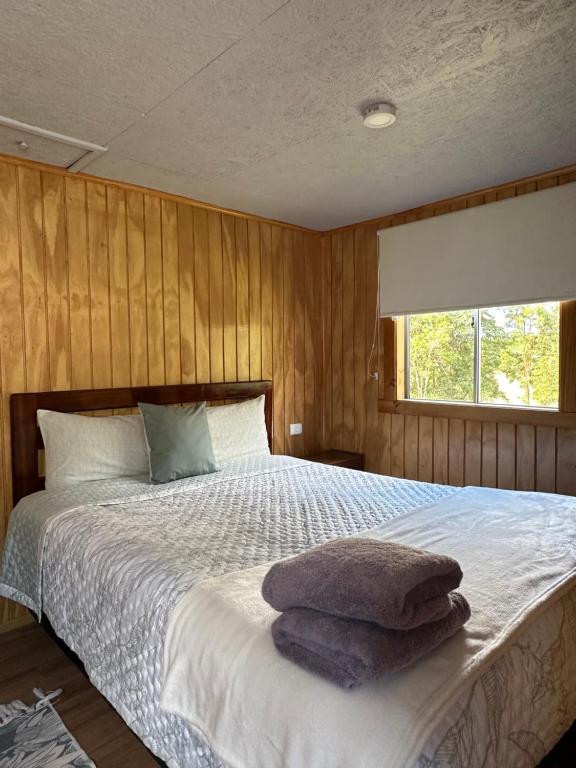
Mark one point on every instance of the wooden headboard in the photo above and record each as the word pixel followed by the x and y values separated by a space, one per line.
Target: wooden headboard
pixel 27 439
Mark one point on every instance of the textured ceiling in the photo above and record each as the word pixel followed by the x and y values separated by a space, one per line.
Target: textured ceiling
pixel 255 105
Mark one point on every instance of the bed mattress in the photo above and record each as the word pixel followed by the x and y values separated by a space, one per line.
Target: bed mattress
pixel 107 562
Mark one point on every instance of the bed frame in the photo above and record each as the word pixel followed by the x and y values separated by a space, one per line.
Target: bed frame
pixel 27 439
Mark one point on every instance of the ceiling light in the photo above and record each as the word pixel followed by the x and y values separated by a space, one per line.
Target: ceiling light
pixel 379 115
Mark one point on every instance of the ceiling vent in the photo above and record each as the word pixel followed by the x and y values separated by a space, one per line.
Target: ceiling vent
pixel 37 143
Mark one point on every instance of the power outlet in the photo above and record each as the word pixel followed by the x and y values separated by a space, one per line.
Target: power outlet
pixel 295 429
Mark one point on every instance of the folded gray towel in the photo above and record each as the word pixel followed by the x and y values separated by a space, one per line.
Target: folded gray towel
pixel 395 586
pixel 350 652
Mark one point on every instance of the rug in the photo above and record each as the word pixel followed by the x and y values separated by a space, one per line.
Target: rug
pixel 35 737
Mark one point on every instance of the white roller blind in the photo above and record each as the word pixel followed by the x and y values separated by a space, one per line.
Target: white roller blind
pixel 515 251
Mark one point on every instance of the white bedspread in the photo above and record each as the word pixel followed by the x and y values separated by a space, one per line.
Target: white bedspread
pixel 223 674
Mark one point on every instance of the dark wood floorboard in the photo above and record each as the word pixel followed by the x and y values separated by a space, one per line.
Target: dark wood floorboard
pixel 29 658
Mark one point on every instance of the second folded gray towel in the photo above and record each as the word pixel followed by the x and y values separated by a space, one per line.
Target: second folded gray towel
pixel 349 652
pixel 390 584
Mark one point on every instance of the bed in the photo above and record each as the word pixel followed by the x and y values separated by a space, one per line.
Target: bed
pixel 107 562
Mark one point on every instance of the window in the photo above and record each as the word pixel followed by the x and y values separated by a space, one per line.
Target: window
pixel 498 356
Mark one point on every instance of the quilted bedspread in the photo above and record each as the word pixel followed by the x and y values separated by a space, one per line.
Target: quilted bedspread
pixel 107 562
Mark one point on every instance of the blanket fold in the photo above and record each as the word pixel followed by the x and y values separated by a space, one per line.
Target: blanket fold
pixel 383 582
pixel 351 652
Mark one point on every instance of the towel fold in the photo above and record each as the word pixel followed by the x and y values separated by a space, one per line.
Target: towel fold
pixel 350 652
pixel 389 584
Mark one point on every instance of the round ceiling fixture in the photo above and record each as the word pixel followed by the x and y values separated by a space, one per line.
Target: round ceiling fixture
pixel 379 115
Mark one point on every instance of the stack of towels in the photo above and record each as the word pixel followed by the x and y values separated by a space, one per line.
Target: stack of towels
pixel 356 609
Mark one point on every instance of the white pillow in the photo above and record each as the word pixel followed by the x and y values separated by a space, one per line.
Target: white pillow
pixel 238 430
pixel 80 448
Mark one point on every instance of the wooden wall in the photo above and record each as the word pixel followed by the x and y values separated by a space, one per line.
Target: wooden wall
pixel 423 446
pixel 106 285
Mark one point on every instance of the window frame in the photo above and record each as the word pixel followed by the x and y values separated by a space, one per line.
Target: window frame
pixel 392 341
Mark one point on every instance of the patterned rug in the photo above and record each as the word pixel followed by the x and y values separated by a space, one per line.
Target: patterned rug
pixel 35 737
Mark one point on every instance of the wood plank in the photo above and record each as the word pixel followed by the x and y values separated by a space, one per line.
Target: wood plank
pixel 411 447
pixel 525 457
pixel 489 454
pixel 216 303
pixel 171 292
pixel 201 295
pixel 119 299
pixel 278 337
pixel 568 356
pixel 54 212
pixel 473 453
pixel 440 450
pixel 456 452
pixel 255 301
pixel 337 343
pixel 506 456
pixel 360 335
pixel 229 297
pixel 382 462
pixel 546 459
pixel 266 298
pixel 242 301
pixel 137 288
pixel 348 323
pixel 327 334
pixel 298 442
pixel 310 282
pixel 187 313
pixel 288 340
pixel 397 446
pixel 426 449
pixel 566 471
pixel 314 255
pixel 34 283
pixel 12 351
pixel 99 285
pixel 154 290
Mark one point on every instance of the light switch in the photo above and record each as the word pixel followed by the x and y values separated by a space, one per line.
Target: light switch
pixel 295 429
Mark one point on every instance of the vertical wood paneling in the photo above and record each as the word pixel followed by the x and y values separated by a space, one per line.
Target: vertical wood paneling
pixel 137 288
pixel 473 453
pixel 34 283
pixel 411 447
pixel 242 301
pixel 216 303
pixel 441 451
pixel 425 449
pixel 266 297
pixel 456 452
pixel 506 456
pixel 201 295
pixel 546 459
pixel 187 314
pixel 106 286
pixel 229 298
pixel 119 304
pixel 348 323
pixel 288 325
pixel 99 279
pixel 58 314
pixel 171 293
pixel 525 457
pixel 278 338
pixel 255 301
pixel 154 290
pixel 566 470
pixel 299 341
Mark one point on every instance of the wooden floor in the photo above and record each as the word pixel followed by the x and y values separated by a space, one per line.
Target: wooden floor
pixel 29 659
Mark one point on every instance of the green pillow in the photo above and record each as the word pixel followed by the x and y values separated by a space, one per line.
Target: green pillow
pixel 179 442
